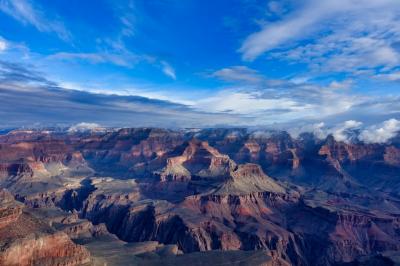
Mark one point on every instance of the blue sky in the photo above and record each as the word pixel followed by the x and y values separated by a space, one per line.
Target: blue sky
pixel 199 63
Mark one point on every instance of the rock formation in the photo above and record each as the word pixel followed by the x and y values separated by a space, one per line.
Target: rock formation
pixel 26 240
pixel 160 196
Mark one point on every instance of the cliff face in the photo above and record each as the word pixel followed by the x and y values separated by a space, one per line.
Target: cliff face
pixel 199 223
pixel 276 221
pixel 41 171
pixel 219 219
pixel 130 152
pixel 10 210
pixel 25 240
pixel 346 234
pixel 247 179
pixel 392 156
pixel 36 159
pixel 198 159
pixel 54 249
pixel 251 221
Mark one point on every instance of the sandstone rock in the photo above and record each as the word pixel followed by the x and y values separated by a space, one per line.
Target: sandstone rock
pixel 10 210
pixel 28 241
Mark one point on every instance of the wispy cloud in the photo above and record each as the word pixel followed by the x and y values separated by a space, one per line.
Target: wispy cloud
pixel 124 59
pixel 294 102
pixel 339 36
pixel 27 13
pixel 238 73
pixel 168 70
pixel 394 76
pixel 345 84
pixel 273 104
pixel 14 73
pixel 3 45
pixel 126 12
pixel 278 100
pixel 119 56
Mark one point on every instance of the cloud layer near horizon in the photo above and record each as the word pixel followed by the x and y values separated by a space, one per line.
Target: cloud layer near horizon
pixel 352 130
pixel 29 98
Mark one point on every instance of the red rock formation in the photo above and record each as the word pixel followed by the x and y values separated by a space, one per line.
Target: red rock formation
pixel 25 240
pixel 351 152
pixel 10 210
pixel 54 249
pixel 247 179
pixel 131 151
pixel 295 160
pixel 392 156
pixel 199 159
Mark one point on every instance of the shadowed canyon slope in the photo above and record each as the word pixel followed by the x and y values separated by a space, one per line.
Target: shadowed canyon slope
pixel 159 197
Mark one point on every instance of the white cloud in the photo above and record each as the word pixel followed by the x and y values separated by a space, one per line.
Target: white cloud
pixel 245 103
pixel 238 73
pixel 345 84
pixel 381 133
pixel 124 58
pixel 25 12
pixel 125 10
pixel 352 130
pixel 280 101
pixel 345 132
pixel 168 70
pixel 260 134
pixel 331 35
pixel 289 29
pixel 3 45
pixel 317 129
pixel 394 76
pixel 344 52
pixel 83 127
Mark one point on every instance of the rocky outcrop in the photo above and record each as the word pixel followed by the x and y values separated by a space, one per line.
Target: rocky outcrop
pixel 130 152
pixel 392 156
pixel 213 220
pixel 198 159
pixel 295 160
pixel 174 171
pixel 35 162
pixel 10 210
pixel 15 169
pixel 53 249
pixel 247 179
pixel 26 240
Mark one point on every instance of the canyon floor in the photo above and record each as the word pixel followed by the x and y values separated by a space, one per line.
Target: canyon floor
pixel 149 196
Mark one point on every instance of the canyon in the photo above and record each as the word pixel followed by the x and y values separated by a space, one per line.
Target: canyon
pixel 150 196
